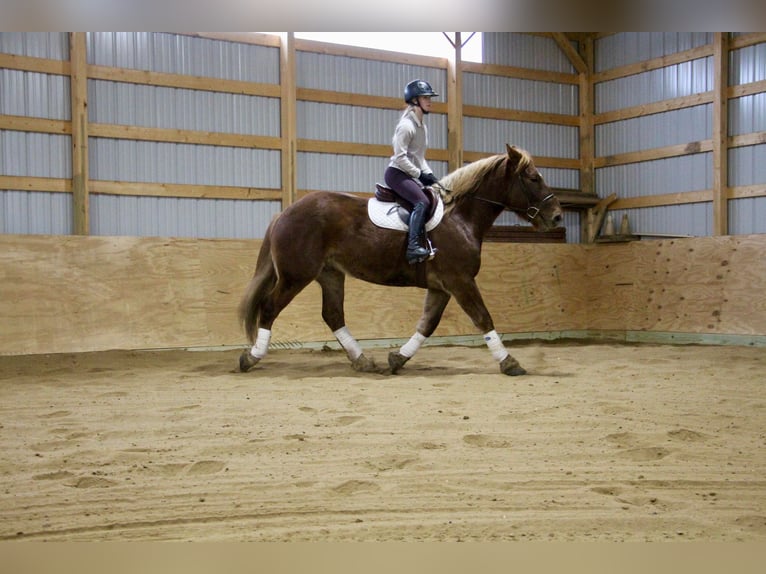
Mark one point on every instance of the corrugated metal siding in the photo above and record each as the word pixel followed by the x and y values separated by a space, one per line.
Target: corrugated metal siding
pixel 747 166
pixel 35 155
pixel 524 51
pixel 181 217
pixel 346 173
pixel 694 219
pixel 490 136
pixel 669 175
pixel 160 107
pixel 35 95
pixel 674 81
pixel 176 54
pixel 152 106
pixel 342 123
pixel 657 130
pixel 39 213
pixel 519 94
pixel 632 47
pixel 360 76
pixel 155 162
pixel 51 45
pixel 31 154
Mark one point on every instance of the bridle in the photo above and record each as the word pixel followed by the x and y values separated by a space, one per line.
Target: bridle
pixel 531 212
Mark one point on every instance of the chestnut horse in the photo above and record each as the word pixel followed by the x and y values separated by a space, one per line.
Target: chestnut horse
pixel 328 235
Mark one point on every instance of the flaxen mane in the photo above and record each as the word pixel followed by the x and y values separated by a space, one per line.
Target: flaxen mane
pixel 466 179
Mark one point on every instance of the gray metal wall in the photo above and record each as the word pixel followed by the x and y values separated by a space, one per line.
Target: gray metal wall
pixel 35 154
pixel 546 140
pixel 687 173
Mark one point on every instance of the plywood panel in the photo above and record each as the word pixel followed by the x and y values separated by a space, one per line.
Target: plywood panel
pixel 695 285
pixel 83 293
pixel 70 293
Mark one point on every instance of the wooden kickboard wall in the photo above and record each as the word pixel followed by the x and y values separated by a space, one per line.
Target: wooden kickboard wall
pixel 87 293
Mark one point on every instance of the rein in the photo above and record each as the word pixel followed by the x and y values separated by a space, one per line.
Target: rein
pixel 532 211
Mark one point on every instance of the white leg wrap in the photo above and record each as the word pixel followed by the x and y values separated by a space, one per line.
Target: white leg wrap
pixel 495 345
pixel 411 347
pixel 347 341
pixel 261 346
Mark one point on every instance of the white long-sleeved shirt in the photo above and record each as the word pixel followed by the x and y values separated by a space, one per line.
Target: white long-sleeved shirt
pixel 410 143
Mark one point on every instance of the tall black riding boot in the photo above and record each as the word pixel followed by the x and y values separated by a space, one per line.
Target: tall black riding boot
pixel 415 251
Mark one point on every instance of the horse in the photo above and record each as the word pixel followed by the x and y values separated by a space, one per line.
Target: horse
pixel 327 235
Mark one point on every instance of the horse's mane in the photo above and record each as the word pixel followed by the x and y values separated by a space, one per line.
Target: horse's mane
pixel 466 180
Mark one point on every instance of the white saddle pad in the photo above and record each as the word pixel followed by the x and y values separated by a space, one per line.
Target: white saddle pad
pixel 386 215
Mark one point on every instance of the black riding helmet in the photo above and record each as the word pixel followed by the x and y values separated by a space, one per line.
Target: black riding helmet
pixel 418 88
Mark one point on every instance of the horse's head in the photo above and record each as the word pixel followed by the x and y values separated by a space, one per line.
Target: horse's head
pixel 529 195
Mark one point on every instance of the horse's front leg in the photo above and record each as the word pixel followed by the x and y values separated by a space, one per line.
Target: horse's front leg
pixel 433 309
pixel 469 298
pixel 332 282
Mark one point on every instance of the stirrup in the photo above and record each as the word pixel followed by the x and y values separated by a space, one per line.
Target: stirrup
pixel 417 255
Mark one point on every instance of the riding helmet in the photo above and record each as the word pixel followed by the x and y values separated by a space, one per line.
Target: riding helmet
pixel 418 88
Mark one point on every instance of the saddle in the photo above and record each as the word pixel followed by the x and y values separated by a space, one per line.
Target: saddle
pixel 385 194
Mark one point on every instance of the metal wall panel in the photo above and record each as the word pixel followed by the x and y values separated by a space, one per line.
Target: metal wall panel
pixel 524 51
pixel 674 81
pixel 153 106
pixel 354 124
pixel 360 76
pixel 747 114
pixel 177 54
pixel 627 48
pixel 345 173
pixel 518 94
pixel 50 45
pixel 35 95
pixel 747 64
pixel 694 219
pixel 35 154
pixel 747 166
pixel 42 213
pixel 181 217
pixel 654 131
pixel 490 136
pixel 670 175
pixel 155 162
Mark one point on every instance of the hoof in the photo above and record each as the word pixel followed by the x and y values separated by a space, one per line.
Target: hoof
pixel 247 361
pixel 396 361
pixel 510 366
pixel 364 365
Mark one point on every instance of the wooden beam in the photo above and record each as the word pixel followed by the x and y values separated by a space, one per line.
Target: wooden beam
pixel 654 154
pixel 79 103
pixel 171 135
pixel 520 116
pixel 720 133
pixel 654 64
pixel 654 108
pixel 519 73
pixel 289 119
pixel 142 189
pixel 455 108
pixel 569 51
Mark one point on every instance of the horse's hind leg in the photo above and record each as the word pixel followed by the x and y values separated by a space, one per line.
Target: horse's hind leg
pixel 332 282
pixel 284 291
pixel 433 309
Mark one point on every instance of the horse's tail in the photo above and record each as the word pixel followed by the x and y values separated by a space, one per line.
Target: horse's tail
pixel 262 283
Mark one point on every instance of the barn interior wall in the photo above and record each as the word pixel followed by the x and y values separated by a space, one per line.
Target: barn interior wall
pixel 185 163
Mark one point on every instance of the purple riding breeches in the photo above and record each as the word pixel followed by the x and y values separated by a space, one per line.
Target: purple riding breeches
pixel 405 186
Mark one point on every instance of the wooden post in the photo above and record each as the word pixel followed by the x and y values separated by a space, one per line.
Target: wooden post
pixel 79 103
pixel 289 119
pixel 720 133
pixel 455 108
pixel 586 111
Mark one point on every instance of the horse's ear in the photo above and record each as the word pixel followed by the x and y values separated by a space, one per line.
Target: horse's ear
pixel 513 152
